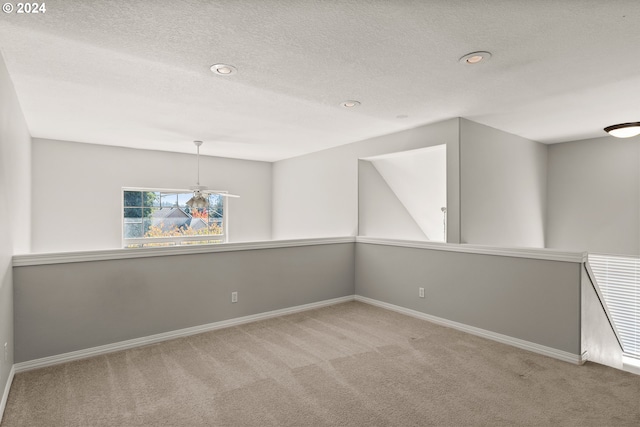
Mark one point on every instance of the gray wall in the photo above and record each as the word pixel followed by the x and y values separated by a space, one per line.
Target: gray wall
pixel 594 194
pixel 305 187
pixel 82 185
pixel 533 300
pixel 15 206
pixel 503 188
pixel 380 212
pixel 66 307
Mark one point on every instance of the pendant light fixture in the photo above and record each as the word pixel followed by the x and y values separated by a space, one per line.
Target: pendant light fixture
pixel 198 200
pixel 201 193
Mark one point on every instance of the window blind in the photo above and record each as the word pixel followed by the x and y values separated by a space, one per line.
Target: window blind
pixel 619 280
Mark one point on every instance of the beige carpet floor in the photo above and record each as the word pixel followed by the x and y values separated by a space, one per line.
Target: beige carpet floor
pixel 350 364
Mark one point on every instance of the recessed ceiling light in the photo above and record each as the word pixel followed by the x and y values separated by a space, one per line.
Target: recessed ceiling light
pixel 475 57
pixel 223 69
pixel 350 103
pixel 624 130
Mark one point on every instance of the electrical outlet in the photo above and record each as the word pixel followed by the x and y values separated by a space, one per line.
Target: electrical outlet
pixel 421 292
pixel 234 297
pixel 6 352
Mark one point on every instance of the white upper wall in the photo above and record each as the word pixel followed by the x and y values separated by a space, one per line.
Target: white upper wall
pixel 316 195
pixel 503 186
pixel 380 211
pixel 15 163
pixel 592 201
pixel 419 180
pixel 15 206
pixel 81 187
pixel 594 195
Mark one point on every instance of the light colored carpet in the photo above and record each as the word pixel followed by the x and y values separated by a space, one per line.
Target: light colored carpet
pixel 350 364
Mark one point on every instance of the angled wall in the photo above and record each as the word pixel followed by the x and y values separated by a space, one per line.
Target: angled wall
pixel 316 195
pixel 419 180
pixel 380 212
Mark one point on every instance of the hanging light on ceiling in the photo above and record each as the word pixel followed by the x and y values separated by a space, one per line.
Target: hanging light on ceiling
pixel 198 200
pixel 201 193
pixel 624 130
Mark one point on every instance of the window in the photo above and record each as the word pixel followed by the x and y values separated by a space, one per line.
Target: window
pixel 619 280
pixel 152 217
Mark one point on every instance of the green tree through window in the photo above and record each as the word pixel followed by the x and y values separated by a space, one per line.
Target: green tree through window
pixel 165 217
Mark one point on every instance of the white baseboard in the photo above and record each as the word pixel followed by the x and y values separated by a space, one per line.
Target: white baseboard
pixel 152 339
pixel 631 364
pixel 7 388
pixel 505 339
pixel 584 357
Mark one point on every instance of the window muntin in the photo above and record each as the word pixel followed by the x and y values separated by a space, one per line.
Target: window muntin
pixel 155 217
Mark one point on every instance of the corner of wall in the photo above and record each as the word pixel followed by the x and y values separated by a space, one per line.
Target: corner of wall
pixel 331 174
pixel 15 212
pixel 5 394
pixel 454 187
pixel 270 199
pixel 583 213
pixel 503 187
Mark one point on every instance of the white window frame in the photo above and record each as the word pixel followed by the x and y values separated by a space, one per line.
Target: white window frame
pixel 178 240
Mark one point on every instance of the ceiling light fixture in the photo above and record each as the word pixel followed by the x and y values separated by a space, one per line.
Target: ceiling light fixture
pixel 223 69
pixel 624 130
pixel 201 193
pixel 198 200
pixel 475 57
pixel 350 104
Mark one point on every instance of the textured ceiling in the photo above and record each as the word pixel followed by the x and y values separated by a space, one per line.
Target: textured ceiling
pixel 136 73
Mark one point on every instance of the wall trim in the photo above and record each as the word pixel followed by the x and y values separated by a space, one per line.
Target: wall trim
pixel 504 339
pixel 165 336
pixel 7 388
pixel 531 253
pixel 631 364
pixel 111 254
